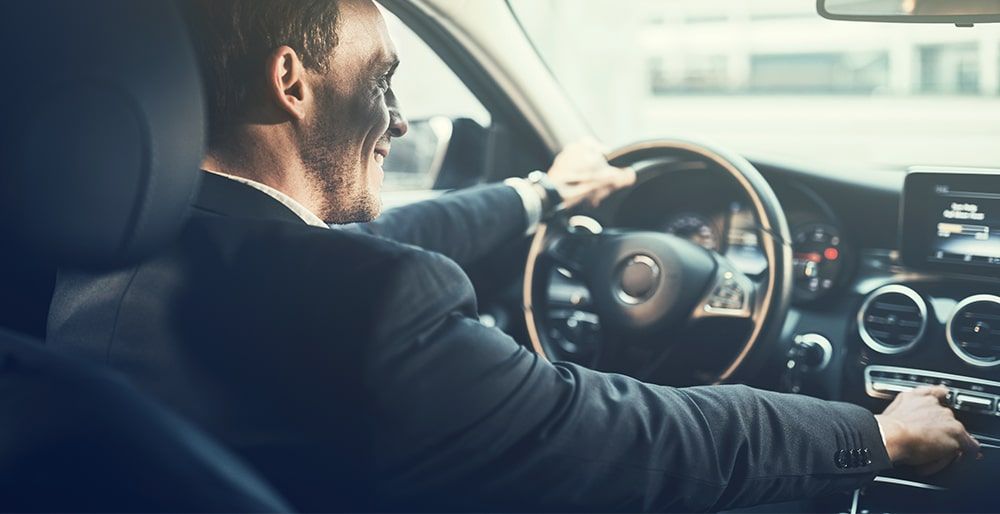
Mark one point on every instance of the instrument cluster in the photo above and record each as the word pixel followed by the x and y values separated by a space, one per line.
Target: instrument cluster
pixel 820 254
pixel 717 216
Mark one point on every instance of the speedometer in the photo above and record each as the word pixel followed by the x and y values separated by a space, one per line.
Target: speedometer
pixel 696 229
pixel 817 260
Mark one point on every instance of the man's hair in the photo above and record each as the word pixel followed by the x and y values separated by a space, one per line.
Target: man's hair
pixel 234 37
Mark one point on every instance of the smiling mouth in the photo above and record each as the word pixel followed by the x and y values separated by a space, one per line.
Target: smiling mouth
pixel 381 154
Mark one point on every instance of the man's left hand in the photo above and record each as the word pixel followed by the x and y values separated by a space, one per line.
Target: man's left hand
pixel 581 173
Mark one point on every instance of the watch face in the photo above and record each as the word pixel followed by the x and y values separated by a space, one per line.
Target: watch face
pixel 551 198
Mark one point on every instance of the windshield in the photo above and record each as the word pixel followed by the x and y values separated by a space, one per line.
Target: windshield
pixel 772 79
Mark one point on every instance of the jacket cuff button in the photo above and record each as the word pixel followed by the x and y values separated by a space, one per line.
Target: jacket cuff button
pixel 856 458
pixel 840 459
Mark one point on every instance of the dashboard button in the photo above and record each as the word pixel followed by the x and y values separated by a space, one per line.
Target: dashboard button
pixel 973 402
pixel 888 387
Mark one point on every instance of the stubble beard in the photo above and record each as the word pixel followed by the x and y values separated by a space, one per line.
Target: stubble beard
pixel 340 181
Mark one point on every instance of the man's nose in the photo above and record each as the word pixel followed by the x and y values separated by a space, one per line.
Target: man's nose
pixel 398 126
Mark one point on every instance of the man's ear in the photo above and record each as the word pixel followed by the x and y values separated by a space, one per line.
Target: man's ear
pixel 286 81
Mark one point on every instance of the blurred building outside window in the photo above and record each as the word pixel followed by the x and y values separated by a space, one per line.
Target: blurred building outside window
pixel 772 79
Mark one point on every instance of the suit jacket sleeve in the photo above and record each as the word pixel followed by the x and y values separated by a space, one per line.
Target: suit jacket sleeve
pixel 468 414
pixel 465 225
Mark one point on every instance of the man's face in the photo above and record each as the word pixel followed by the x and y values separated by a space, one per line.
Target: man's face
pixel 347 134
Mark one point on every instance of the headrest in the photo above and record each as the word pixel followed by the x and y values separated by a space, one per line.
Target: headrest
pixel 101 128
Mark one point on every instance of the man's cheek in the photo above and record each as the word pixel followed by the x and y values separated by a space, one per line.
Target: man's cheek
pixel 375 176
pixel 379 115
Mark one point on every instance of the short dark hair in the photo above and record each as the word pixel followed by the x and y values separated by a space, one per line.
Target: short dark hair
pixel 234 37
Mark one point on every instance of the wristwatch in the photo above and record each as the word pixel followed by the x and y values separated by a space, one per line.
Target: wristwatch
pixel 551 198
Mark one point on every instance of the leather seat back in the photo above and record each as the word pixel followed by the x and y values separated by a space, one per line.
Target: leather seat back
pixel 101 137
pixel 102 129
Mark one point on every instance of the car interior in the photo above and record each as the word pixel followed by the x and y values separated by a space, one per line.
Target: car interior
pixel 800 279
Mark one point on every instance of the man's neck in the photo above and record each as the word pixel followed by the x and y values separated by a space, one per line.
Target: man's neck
pixel 280 170
pixel 291 204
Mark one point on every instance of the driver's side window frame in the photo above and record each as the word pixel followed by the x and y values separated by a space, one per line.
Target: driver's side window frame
pixel 507 146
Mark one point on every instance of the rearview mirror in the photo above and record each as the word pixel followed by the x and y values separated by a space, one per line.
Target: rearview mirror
pixel 959 12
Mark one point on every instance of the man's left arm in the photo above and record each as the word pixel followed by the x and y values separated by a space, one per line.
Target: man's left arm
pixel 465 225
pixel 470 224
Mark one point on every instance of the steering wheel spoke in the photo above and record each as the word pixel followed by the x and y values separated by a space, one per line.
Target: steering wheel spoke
pixel 731 295
pixel 569 250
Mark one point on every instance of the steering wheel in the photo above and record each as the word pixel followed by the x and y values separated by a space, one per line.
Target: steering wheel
pixel 665 305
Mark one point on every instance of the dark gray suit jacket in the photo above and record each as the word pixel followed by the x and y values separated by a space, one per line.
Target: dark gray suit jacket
pixel 353 372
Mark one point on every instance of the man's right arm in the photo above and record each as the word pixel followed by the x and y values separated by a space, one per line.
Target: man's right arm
pixel 467 414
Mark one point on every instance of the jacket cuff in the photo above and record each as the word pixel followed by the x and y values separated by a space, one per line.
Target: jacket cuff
pixel 863 447
pixel 531 201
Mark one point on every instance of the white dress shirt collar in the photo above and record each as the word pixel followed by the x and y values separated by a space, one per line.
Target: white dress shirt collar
pixel 529 197
pixel 305 214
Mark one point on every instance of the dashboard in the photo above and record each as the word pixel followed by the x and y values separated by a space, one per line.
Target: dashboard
pixel 897 285
pixel 716 216
pixel 929 314
pixel 923 308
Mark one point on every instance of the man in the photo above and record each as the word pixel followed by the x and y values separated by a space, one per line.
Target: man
pixel 352 370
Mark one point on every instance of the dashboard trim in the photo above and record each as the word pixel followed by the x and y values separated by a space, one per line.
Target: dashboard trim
pixel 913 371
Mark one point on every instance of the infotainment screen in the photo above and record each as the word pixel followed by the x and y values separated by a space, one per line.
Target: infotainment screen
pixel 951 221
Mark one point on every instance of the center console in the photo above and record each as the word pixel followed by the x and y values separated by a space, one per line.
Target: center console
pixel 967 394
pixel 937 322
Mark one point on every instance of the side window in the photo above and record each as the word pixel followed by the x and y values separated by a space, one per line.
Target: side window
pixel 446 145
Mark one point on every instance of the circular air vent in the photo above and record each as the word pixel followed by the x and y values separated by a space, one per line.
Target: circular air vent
pixel 892 319
pixel 974 330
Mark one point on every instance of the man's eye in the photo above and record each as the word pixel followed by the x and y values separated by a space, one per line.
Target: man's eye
pixel 384 83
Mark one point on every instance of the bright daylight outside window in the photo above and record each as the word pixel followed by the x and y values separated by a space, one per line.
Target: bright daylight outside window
pixel 774 80
pixel 429 93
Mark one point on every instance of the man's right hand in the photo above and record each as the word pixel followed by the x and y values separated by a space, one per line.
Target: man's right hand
pixel 581 173
pixel 922 433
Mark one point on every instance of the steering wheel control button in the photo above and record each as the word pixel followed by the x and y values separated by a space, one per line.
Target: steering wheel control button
pixel 730 296
pixel 640 277
pixel 967 394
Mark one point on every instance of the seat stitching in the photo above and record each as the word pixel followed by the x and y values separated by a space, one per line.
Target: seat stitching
pixel 118 311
